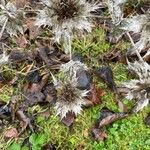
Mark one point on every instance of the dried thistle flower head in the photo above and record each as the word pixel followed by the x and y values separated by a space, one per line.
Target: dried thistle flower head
pixel 71 68
pixel 115 8
pixel 66 17
pixel 69 99
pixel 138 24
pixel 144 39
pixel 10 19
pixel 138 89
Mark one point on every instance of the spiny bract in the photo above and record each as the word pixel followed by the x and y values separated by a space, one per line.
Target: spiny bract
pixel 139 89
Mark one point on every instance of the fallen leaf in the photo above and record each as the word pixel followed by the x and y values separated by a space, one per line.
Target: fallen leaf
pixel 25 121
pixel 22 42
pixel 33 76
pixel 31 29
pixel 114 55
pixel 49 146
pixel 11 133
pixel 69 119
pixel 50 93
pixel 96 94
pixel 52 56
pixel 18 56
pixel 5 110
pixel 99 134
pixel 107 117
pixel 106 74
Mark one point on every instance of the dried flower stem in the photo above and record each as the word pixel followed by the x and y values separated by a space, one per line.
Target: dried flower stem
pixel 132 42
pixel 3 28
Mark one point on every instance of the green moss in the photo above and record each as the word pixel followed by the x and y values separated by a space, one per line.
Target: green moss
pixel 127 134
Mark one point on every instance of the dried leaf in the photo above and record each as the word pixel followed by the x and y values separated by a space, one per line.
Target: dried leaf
pixel 11 133
pixel 106 74
pixel 33 76
pixel 26 122
pixel 49 146
pixel 107 117
pixel 5 111
pixel 95 95
pixel 69 119
pixel 51 57
pixel 99 134
pixel 22 41
pixel 18 56
pixel 114 55
pixel 50 93
pixel 31 29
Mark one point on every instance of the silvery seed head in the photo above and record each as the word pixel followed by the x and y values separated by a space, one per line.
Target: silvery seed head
pixel 69 99
pixel 11 19
pixel 138 89
pixel 66 17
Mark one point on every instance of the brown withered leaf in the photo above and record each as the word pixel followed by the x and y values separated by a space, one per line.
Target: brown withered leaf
pixel 146 57
pixel 33 93
pixel 52 56
pixel 49 146
pixel 69 119
pixel 5 111
pixel 106 74
pixel 114 55
pixel 99 134
pixel 18 56
pixel 33 76
pixel 95 95
pixel 107 117
pixel 21 3
pixel 50 93
pixel 25 121
pixel 30 29
pixel 22 41
pixel 11 133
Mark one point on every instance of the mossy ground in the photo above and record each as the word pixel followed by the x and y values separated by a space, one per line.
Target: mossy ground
pixel 127 134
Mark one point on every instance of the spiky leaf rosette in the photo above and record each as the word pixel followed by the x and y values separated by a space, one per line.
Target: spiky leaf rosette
pixel 138 89
pixel 11 19
pixel 66 17
pixel 69 99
